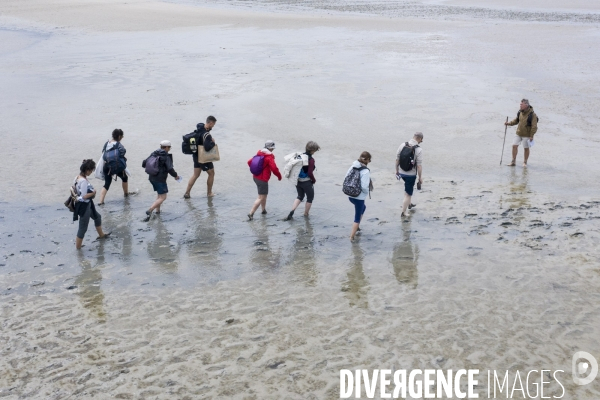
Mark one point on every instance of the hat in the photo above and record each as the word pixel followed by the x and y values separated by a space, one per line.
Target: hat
pixel 269 144
pixel 165 143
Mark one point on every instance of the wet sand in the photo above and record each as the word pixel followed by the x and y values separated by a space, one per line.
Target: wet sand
pixel 496 269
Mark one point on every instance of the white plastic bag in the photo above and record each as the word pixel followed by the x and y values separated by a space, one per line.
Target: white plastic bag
pixel 99 172
pixel 531 143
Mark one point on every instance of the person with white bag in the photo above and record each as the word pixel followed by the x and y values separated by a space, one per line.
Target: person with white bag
pixel 113 163
pixel 300 169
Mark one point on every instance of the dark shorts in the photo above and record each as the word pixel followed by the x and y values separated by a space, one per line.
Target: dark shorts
pixel 204 167
pixel 160 188
pixel 262 186
pixel 109 178
pixel 409 183
pixel 305 188
pixel 359 208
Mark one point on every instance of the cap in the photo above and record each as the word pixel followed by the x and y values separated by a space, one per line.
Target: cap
pixel 269 144
pixel 165 143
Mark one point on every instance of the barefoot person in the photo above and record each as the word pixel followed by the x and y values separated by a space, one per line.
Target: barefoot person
pixel 114 145
pixel 306 181
pixel 204 138
pixel 526 122
pixel 261 176
pixel 363 183
pixel 158 166
pixel 409 163
pixel 84 207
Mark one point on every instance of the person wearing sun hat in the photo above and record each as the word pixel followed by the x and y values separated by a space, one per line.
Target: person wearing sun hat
pixel 261 166
pixel 158 166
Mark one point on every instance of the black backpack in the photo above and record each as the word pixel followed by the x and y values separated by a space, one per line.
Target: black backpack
pixel 407 157
pixel 529 118
pixel 352 183
pixel 190 143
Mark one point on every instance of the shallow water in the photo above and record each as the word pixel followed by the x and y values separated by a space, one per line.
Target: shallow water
pixel 496 269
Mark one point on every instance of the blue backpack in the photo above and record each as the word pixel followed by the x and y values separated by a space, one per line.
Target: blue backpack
pixel 114 161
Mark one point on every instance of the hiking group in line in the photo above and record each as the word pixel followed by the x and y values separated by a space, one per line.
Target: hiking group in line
pixel 299 169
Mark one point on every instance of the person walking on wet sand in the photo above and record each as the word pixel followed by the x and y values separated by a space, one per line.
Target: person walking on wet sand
pixel 115 164
pixel 261 166
pixel 526 122
pixel 203 138
pixel 84 207
pixel 409 158
pixel 306 180
pixel 357 185
pixel 158 166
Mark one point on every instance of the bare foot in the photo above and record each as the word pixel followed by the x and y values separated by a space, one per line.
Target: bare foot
pixel 525 165
pixel 352 239
pixel 186 196
pixel 512 164
pixel 211 195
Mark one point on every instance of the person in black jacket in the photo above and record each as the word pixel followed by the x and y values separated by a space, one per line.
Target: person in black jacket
pixel 205 139
pixel 159 181
pixel 117 136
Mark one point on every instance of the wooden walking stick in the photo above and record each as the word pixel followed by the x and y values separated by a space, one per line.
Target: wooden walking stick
pixel 505 128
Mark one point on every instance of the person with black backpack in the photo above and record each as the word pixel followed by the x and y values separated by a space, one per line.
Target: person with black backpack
pixel 409 164
pixel 158 166
pixel 526 122
pixel 200 137
pixel 115 164
pixel 357 185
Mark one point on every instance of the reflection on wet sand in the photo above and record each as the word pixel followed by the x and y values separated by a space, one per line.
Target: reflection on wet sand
pixel 161 250
pixel 88 283
pixel 303 255
pixel 205 246
pixel 356 287
pixel 262 254
pixel 405 259
pixel 518 191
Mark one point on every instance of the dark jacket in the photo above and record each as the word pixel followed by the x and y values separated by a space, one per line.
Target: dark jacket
pixel 165 166
pixel 208 143
pixel 309 169
pixel 81 207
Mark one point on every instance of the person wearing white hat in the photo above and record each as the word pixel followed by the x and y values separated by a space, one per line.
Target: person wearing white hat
pixel 261 167
pixel 158 166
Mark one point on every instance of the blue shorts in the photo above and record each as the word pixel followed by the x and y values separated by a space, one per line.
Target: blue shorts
pixel 359 208
pixel 160 188
pixel 409 183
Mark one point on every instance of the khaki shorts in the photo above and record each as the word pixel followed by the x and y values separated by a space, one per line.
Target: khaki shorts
pixel 519 139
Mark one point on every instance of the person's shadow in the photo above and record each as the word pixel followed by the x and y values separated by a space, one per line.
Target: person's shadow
pixel 303 254
pixel 405 259
pixel 356 286
pixel 89 282
pixel 161 250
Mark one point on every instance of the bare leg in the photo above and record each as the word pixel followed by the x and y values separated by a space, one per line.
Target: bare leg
pixel 515 151
pixel 191 182
pixel 406 203
pixel 307 208
pixel 125 188
pixel 526 157
pixel 78 243
pixel 100 231
pixel 263 203
pixel 102 195
pixel 296 204
pixel 354 229
pixel 159 200
pixel 257 203
pixel 209 182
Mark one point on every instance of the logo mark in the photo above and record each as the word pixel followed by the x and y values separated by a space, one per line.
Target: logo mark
pixel 581 368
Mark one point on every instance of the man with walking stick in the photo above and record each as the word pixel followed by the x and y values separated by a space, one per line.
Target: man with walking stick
pixel 526 122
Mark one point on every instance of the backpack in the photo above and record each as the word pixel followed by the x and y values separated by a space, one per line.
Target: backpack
pixel 257 165
pixel 152 165
pixel 70 203
pixel 407 157
pixel 190 143
pixel 113 160
pixel 529 118
pixel 352 183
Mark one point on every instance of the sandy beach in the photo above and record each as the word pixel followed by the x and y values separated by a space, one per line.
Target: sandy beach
pixel 497 268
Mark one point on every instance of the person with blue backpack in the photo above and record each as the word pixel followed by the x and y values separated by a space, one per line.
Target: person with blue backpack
pixel 115 164
pixel 357 185
pixel 158 166
pixel 306 180
pixel 261 167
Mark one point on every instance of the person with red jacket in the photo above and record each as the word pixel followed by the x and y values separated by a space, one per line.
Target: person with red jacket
pixel 262 179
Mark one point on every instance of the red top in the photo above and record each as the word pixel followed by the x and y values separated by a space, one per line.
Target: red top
pixel 268 166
